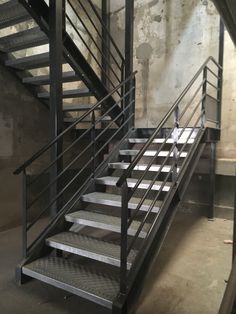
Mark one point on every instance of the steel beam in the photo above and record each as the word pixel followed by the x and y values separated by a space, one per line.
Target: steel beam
pixel 212 176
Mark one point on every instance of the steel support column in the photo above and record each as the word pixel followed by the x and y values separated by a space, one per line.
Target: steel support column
pixel 212 180
pixel 56 23
pixel 129 43
pixel 220 71
pixel 105 41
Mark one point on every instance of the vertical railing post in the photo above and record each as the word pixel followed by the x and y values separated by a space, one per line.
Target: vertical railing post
pixel 204 91
pixel 56 24
pixel 175 151
pixel 124 238
pixel 105 41
pixel 24 214
pixel 93 135
pixel 220 72
pixel 129 40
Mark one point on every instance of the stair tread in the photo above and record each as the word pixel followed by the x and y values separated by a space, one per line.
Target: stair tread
pixel 159 140
pixel 12 13
pixel 45 79
pixel 29 62
pixel 115 200
pixel 149 153
pixel 105 222
pixel 131 183
pixel 86 282
pixel 90 247
pixel 139 167
pixel 25 39
pixel 77 107
pixel 79 92
pixel 86 119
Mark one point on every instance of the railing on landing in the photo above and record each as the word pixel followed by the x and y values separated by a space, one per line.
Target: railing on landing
pixel 197 107
pixel 81 157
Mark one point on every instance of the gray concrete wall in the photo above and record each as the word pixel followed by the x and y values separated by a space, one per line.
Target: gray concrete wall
pixel 172 39
pixel 24 128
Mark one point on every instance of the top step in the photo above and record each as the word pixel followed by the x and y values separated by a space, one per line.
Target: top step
pixel 12 13
pixel 159 141
pixel 32 37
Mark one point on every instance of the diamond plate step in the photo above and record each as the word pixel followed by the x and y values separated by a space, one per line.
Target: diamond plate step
pixel 148 153
pixel 139 167
pixel 31 62
pixel 12 13
pixel 85 282
pixel 115 200
pixel 104 222
pixel 159 141
pixel 89 247
pixel 26 39
pixel 69 76
pixel 75 93
pixel 111 181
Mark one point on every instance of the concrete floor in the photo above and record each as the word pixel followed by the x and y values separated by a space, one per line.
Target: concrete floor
pixel 188 277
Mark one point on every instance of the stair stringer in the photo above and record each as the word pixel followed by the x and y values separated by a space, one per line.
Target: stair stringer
pixel 58 224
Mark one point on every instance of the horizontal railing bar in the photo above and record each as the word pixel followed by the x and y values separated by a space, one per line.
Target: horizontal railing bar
pixel 212 85
pixel 149 188
pixel 60 213
pixel 52 142
pixel 147 214
pixel 59 156
pixel 79 138
pixel 58 176
pixel 92 54
pixel 158 151
pixel 108 126
pixel 211 120
pixel 68 166
pixel 107 31
pixel 59 194
pixel 100 36
pixel 159 192
pixel 163 164
pixel 213 73
pixel 110 109
pixel 128 171
pixel 98 152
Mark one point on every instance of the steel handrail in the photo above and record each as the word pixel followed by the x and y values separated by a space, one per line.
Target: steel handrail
pixel 137 158
pixel 52 142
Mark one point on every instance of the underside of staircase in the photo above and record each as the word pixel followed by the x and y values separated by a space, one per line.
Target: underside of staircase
pixel 100 197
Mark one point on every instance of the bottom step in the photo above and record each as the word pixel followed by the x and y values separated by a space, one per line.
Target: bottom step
pixel 83 281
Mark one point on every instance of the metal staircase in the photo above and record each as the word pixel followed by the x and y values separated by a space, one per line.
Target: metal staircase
pixel 18 49
pixel 97 211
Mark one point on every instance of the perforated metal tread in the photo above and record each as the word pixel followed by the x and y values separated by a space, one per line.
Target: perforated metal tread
pixel 115 200
pixel 85 282
pixel 26 39
pixel 75 107
pixel 69 76
pixel 30 62
pixel 89 247
pixel 86 119
pixel 159 141
pixel 139 167
pixel 104 222
pixel 75 93
pixel 111 181
pixel 12 13
pixel 148 153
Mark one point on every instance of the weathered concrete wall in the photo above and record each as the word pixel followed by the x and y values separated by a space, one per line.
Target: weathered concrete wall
pixel 24 129
pixel 172 39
